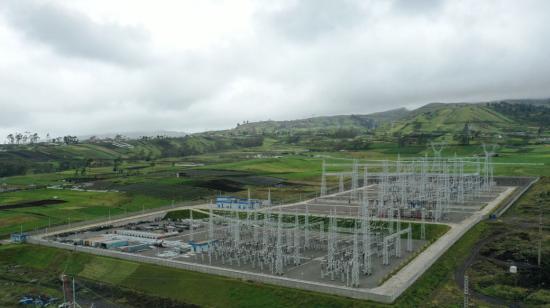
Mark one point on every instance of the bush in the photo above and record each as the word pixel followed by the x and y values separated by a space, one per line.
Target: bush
pixel 13 168
pixel 540 297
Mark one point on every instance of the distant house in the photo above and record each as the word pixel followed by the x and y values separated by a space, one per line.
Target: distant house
pixel 201 246
pixel 228 202
pixel 18 237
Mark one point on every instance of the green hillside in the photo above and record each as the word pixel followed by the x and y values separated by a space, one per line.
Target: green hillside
pixel 18 159
pixel 516 122
pixel 452 118
pixel 362 122
pixel 510 121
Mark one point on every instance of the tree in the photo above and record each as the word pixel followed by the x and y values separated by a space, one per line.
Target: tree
pixel 34 138
pixel 18 138
pixel 70 139
pixel 11 139
pixel 116 163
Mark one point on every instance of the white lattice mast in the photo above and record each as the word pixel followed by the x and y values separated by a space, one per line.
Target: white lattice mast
pixel 382 188
pixel 365 225
pixel 279 248
pixel 323 180
pixel 210 224
pixel 461 181
pixel 402 182
pixel 355 260
pixel 331 245
pixel 210 233
pixel 365 180
pixel 478 177
pixel 354 178
pixel 367 246
pixel 191 224
pixel 306 228
pixel 488 170
pixel 365 194
pixel 341 183
pixel 485 168
pixel 437 148
pixel 423 181
pixel 423 224
pixel 269 196
pixel 296 239
pixel 266 229
pixel 409 238
pixel 255 226
pixel 398 230
pixel 447 189
pixel 236 229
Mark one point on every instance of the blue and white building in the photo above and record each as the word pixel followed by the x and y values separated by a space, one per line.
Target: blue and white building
pixel 234 203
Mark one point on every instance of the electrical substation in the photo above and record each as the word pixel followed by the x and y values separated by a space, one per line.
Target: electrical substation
pixel 365 235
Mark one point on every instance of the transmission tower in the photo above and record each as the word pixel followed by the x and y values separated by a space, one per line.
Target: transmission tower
pixel 323 181
pixel 279 248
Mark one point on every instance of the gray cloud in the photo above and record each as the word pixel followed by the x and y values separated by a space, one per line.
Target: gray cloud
pixel 309 19
pixel 74 34
pixel 299 59
pixel 417 6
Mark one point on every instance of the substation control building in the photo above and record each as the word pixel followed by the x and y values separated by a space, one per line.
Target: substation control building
pixel 234 203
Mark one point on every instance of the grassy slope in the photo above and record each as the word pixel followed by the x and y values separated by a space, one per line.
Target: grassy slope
pixel 519 245
pixel 323 123
pixel 451 118
pixel 80 206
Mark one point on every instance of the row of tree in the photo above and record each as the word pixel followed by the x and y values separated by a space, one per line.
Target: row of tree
pixel 32 138
pixel 23 138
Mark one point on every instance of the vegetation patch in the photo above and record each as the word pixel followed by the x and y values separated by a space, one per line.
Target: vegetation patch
pixel 224 185
pixel 185 214
pixel 31 204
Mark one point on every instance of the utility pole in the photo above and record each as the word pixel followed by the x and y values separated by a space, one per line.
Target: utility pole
pixel 74 295
pixel 466 292
pixel 423 225
pixel 540 234
pixel 191 223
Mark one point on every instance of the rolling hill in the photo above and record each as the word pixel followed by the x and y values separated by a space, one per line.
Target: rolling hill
pixel 452 118
pixel 324 123
pixel 510 121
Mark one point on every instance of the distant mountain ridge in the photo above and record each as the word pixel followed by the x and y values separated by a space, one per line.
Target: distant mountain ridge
pixel 503 121
pixel 490 116
pixel 324 123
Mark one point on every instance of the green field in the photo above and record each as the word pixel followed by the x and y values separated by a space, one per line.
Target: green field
pixel 149 185
pixel 79 206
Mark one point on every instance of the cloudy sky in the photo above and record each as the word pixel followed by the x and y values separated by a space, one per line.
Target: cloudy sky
pixel 99 66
